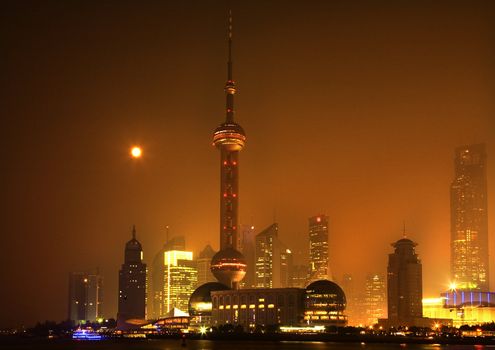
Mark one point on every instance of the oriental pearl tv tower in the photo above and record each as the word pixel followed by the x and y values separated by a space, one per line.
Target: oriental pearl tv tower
pixel 229 265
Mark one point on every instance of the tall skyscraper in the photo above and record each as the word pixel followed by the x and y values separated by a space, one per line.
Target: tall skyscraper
pixel 229 265
pixel 180 278
pixel 375 298
pixel 132 284
pixel 247 246
pixel 264 256
pixel 203 264
pixel 404 284
pixel 273 260
pixel 286 266
pixel 318 247
pixel 469 220
pixel 85 297
pixel 157 280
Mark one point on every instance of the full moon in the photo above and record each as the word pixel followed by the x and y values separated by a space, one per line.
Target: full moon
pixel 136 152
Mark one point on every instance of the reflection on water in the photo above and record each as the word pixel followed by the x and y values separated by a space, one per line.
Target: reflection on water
pixel 176 344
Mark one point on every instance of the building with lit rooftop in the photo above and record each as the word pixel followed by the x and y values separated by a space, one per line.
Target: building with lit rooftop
pixel 469 219
pixel 318 247
pixel 375 298
pixel 132 286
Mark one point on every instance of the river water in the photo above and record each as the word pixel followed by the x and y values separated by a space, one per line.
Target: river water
pixel 175 344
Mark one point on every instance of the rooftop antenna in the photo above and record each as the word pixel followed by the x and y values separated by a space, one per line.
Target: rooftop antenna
pixel 133 231
pixel 404 228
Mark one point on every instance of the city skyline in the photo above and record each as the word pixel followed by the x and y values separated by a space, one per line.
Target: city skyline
pixel 361 140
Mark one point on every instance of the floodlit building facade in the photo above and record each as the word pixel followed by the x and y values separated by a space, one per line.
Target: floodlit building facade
pixel 318 247
pixel 322 303
pixel 252 307
pixel 157 298
pixel 180 279
pixel 469 220
pixel 461 307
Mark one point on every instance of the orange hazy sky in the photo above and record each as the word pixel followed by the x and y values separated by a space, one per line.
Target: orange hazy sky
pixel 352 109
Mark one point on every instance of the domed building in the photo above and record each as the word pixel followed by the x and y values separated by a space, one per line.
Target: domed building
pixel 200 303
pixel 324 304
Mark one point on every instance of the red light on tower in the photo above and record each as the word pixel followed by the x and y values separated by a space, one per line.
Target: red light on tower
pixel 318 219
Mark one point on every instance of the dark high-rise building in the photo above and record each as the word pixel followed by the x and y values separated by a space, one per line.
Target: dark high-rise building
pixel 247 246
pixel 229 265
pixel 299 276
pixel 203 263
pixel 318 247
pixel 85 297
pixel 469 221
pixel 404 284
pixel 132 284
pixel 355 300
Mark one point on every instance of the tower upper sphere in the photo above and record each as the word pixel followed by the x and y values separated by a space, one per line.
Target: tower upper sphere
pixel 229 135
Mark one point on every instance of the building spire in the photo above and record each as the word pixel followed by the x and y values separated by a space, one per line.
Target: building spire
pixel 230 85
pixel 133 231
pixel 404 228
pixel 229 71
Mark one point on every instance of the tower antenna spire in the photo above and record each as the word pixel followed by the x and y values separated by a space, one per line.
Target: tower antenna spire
pixel 133 231
pixel 404 228
pixel 230 85
pixel 229 63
